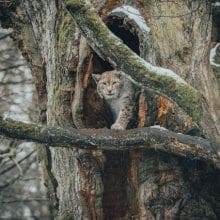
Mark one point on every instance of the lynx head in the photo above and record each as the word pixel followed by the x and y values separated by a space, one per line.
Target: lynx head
pixel 109 84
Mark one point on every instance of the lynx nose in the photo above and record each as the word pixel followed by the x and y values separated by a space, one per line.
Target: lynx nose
pixel 109 91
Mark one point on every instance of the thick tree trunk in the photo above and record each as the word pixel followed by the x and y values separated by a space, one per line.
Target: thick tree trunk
pixel 77 172
pixel 135 184
pixel 50 42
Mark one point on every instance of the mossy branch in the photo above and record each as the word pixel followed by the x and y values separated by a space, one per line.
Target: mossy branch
pixel 112 49
pixel 155 138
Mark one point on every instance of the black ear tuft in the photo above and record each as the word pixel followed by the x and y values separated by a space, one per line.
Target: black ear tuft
pixel 96 77
pixel 120 74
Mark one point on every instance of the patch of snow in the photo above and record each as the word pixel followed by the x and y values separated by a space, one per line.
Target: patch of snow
pixel 162 71
pixel 159 127
pixel 213 54
pixel 134 15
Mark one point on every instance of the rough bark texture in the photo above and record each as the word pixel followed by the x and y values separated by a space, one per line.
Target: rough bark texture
pixel 77 172
pixel 135 184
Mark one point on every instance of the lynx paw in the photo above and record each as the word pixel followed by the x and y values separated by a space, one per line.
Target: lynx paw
pixel 117 127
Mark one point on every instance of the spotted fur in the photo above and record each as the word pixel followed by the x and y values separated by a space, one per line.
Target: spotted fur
pixel 118 92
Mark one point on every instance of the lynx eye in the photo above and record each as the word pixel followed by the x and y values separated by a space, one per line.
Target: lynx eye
pixel 113 83
pixel 104 83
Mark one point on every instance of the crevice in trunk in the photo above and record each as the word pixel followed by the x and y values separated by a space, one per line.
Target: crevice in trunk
pixel 115 201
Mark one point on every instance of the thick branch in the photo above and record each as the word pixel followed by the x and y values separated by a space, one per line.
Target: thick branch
pixel 119 55
pixel 145 138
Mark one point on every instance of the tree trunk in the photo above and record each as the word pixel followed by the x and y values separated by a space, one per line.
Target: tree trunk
pixel 133 184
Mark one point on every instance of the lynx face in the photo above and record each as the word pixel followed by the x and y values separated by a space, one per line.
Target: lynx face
pixel 109 84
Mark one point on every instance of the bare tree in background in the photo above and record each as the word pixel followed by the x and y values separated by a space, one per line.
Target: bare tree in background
pixel 21 191
pixel 103 174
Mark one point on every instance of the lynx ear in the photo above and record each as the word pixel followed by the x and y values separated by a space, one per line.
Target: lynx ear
pixel 96 77
pixel 120 74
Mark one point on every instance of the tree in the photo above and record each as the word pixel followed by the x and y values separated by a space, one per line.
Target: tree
pixel 104 176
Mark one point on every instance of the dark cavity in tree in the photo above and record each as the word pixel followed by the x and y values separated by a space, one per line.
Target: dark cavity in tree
pixel 125 32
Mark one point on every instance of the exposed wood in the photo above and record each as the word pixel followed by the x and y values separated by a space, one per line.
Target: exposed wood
pixel 160 111
pixel 145 138
pixel 142 119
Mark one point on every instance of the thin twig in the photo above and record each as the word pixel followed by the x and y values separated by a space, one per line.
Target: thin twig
pixel 11 181
pixel 12 67
pixel 20 161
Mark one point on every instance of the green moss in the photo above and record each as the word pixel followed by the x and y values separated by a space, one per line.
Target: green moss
pixel 67 216
pixel 66 31
pixel 74 5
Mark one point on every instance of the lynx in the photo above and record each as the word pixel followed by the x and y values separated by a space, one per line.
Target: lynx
pixel 119 94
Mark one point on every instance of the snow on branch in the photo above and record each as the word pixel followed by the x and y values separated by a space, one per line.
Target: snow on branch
pixel 213 54
pixel 133 14
pixel 155 138
pixel 163 81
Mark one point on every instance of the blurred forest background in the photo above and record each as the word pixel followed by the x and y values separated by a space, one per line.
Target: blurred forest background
pixel 22 193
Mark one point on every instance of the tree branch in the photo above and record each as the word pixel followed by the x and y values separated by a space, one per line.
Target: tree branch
pixel 112 49
pixel 156 138
pixel 11 67
pixel 5 35
pixel 13 165
pixel 7 182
